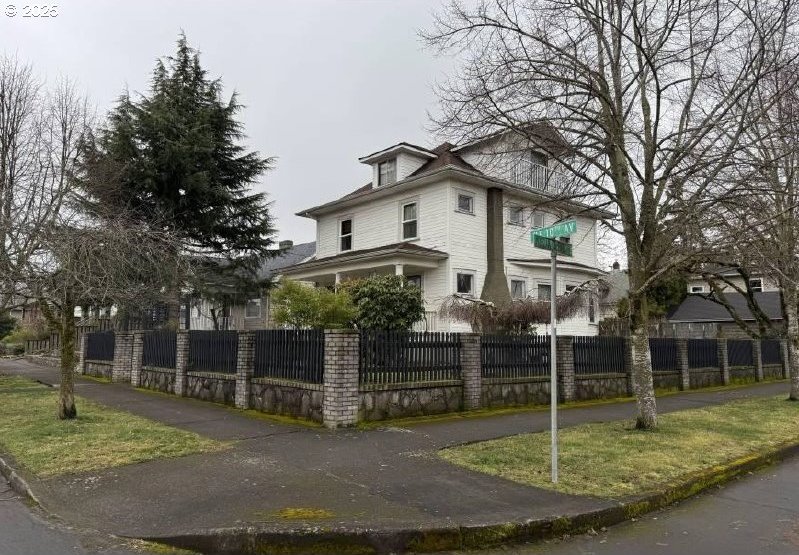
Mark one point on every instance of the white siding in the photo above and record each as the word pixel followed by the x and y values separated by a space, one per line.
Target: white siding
pixel 768 284
pixel 407 164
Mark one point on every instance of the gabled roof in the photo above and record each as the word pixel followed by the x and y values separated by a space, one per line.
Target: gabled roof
pixel 699 308
pixel 445 157
pixel 383 250
pixel 291 256
pixel 394 149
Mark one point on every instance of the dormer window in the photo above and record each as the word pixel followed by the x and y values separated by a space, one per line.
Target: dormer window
pixel 387 172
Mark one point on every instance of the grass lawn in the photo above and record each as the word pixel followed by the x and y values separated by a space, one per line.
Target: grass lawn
pixel 101 437
pixel 613 459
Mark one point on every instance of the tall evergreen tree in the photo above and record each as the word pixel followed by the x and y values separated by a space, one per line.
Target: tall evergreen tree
pixel 173 157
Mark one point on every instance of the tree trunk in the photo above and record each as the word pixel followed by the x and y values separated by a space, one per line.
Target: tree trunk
pixel 792 329
pixel 643 385
pixel 66 391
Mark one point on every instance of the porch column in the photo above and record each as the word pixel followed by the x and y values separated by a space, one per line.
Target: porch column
pixel 338 278
pixel 399 269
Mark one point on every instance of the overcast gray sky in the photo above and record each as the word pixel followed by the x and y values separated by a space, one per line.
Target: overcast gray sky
pixel 323 81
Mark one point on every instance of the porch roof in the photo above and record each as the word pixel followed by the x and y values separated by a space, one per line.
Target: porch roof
pixel 393 253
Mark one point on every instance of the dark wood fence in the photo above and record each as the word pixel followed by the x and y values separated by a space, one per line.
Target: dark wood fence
pixel 771 351
pixel 159 349
pixel 37 345
pixel 598 355
pixel 739 352
pixel 213 351
pixel 515 356
pixel 703 353
pixel 290 355
pixel 399 357
pixel 100 345
pixel 664 354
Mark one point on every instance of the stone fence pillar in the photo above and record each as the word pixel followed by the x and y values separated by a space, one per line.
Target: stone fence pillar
pixel 786 358
pixel 136 363
pixel 471 370
pixel 245 364
pixel 340 400
pixel 565 368
pixel 724 363
pixel 181 362
pixel 757 358
pixel 123 357
pixel 682 364
pixel 81 368
pixel 628 364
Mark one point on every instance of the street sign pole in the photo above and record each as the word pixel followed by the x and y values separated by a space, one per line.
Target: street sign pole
pixel 553 367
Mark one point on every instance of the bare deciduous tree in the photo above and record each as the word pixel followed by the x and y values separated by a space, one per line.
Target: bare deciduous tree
pixel 643 92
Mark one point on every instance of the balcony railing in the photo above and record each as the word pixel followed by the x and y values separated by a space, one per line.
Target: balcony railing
pixel 536 176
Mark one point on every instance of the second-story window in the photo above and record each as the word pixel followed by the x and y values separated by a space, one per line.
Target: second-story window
pixel 538 220
pixel 410 221
pixel 345 235
pixel 387 172
pixel 516 215
pixel 466 204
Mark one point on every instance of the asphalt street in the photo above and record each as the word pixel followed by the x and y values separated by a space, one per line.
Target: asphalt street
pixel 755 515
pixel 24 532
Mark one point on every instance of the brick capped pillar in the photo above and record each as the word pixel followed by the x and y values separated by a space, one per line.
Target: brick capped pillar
pixel 81 369
pixel 757 358
pixel 724 363
pixel 471 370
pixel 138 351
pixel 682 364
pixel 181 362
pixel 565 368
pixel 786 358
pixel 123 357
pixel 340 401
pixel 245 365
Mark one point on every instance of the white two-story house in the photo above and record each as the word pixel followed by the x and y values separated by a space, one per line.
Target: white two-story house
pixel 456 219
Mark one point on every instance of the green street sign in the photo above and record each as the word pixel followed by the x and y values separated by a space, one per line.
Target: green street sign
pixel 552 245
pixel 563 229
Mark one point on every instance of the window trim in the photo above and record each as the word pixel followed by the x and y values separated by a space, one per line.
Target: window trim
pixel 473 274
pixel 538 290
pixel 260 308
pixel 380 165
pixel 521 280
pixel 458 208
pixel 519 209
pixel 351 234
pixel 534 215
pixel 403 221
pixel 756 289
pixel 697 289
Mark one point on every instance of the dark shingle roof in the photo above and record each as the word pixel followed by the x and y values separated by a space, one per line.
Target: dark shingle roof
pixel 699 308
pixel 291 256
pixel 444 157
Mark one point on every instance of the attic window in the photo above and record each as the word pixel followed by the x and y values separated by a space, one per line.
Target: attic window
pixel 387 172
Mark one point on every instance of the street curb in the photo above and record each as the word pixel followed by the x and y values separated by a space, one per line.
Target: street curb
pixel 346 541
pixel 16 481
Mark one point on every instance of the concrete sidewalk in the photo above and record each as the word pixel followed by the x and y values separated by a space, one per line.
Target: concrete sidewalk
pixel 387 478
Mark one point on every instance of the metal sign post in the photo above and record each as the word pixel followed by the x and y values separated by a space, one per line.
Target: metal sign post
pixel 547 238
pixel 553 369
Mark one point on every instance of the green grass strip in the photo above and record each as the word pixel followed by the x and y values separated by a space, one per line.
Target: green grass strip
pixel 101 437
pixel 613 459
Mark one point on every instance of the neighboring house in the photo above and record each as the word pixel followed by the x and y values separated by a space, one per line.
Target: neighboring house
pixel 700 316
pixel 758 282
pixel 253 313
pixel 618 283
pixel 456 219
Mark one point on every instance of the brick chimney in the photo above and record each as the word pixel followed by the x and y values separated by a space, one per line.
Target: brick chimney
pixel 495 286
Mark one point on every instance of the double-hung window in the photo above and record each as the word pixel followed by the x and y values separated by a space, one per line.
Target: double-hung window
pixel 345 235
pixel 387 172
pixel 253 308
pixel 544 291
pixel 466 204
pixel 464 283
pixel 518 289
pixel 516 215
pixel 538 220
pixel 410 221
pixel 756 285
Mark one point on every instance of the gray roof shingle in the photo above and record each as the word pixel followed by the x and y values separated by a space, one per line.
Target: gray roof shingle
pixel 294 255
pixel 699 308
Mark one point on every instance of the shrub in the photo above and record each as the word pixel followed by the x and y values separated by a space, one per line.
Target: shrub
pixel 385 302
pixel 7 324
pixel 302 306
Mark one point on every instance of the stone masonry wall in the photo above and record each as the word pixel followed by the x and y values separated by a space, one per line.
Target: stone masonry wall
pixel 285 398
pixel 158 379
pixel 211 386
pixel 743 374
pixel 506 393
pixel 99 368
pixel 404 401
pixel 772 371
pixel 600 386
pixel 667 380
pixel 705 377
